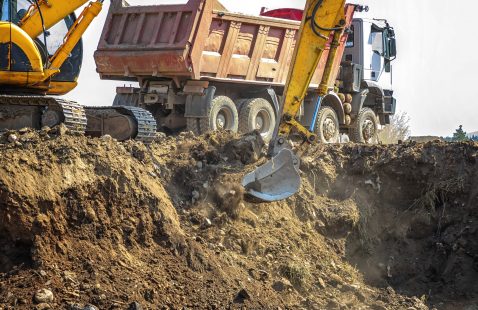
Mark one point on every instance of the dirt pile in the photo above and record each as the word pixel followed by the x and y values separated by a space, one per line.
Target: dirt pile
pixel 88 224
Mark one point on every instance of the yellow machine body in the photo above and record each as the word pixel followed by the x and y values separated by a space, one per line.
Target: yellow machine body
pixel 37 72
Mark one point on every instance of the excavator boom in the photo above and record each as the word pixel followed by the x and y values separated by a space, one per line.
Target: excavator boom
pixel 44 14
pixel 279 178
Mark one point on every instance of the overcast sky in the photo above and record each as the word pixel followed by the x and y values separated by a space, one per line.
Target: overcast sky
pixel 435 74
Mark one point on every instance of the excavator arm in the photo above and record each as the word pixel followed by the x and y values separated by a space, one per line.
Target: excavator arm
pixel 279 178
pixel 44 14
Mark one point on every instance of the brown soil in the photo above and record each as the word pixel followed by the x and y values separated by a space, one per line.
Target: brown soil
pixel 122 226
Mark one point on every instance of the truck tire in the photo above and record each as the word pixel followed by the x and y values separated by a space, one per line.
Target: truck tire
pixel 222 115
pixel 365 127
pixel 257 114
pixel 327 126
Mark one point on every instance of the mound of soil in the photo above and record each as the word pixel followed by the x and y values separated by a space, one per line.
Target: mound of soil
pixel 98 224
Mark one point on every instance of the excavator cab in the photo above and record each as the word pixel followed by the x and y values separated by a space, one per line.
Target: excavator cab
pixel 46 45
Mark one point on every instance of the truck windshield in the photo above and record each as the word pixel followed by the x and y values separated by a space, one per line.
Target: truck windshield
pixel 376 40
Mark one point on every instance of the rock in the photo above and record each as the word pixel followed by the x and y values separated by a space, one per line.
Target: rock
pixel 45 129
pixel 107 138
pixel 43 306
pixel 160 136
pixel 207 223
pixel 75 306
pixel 59 130
pixel 24 130
pixel 12 138
pixel 135 306
pixel 281 285
pixel 199 164
pixel 22 301
pixel 90 307
pixel 242 296
pixel 43 296
pixel 321 283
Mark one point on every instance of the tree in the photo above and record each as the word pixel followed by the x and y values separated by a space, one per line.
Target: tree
pixel 399 129
pixel 460 135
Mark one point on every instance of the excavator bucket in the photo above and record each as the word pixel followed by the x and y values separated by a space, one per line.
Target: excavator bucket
pixel 275 180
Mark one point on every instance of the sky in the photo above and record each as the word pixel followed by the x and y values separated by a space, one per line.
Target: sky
pixel 434 73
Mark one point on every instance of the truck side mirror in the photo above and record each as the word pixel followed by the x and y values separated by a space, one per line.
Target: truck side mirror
pixel 388 65
pixel 392 48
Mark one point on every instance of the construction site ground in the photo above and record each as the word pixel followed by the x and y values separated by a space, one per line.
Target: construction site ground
pixel 97 224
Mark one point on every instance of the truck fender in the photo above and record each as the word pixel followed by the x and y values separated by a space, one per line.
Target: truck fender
pixel 332 100
pixel 358 101
pixel 198 105
pixel 376 96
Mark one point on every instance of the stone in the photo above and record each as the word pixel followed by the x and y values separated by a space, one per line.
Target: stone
pixel 207 222
pixel 242 296
pixel 90 307
pixel 43 306
pixel 135 306
pixel 75 306
pixel 43 296
pixel 281 285
pixel 12 138
pixel 199 164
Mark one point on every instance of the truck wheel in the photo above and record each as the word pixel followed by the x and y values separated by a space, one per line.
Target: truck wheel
pixel 257 114
pixel 364 129
pixel 327 126
pixel 222 115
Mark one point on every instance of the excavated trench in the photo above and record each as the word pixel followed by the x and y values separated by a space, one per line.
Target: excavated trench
pixel 418 218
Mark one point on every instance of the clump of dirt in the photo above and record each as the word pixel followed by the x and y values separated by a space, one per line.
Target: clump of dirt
pixel 113 225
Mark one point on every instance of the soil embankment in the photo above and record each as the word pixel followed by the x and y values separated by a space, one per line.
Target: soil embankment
pixel 93 223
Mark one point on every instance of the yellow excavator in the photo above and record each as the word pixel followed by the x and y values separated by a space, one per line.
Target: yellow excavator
pixel 41 57
pixel 279 178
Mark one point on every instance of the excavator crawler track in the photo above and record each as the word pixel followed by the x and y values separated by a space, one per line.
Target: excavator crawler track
pixel 141 123
pixel 39 111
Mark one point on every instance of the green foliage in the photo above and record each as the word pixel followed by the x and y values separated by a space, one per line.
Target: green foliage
pixel 460 135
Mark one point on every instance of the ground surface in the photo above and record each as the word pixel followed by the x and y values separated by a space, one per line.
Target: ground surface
pixel 120 226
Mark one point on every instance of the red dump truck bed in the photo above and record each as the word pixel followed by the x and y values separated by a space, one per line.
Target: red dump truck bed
pixel 198 41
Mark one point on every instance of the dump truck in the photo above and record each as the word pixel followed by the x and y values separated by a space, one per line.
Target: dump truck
pixel 204 68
